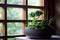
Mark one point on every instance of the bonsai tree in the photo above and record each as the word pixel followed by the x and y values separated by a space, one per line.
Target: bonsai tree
pixel 41 29
pixel 39 25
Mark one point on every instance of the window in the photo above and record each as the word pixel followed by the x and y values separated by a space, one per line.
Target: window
pixel 15 2
pixel 14 15
pixel 14 28
pixel 36 2
pixel 11 39
pixel 1 1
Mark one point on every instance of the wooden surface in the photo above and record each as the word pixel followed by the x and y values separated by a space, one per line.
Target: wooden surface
pixel 54 37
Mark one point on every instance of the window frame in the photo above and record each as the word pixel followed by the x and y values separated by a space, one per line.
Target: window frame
pixel 5 21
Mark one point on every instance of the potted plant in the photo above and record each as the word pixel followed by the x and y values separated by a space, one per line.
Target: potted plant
pixel 41 29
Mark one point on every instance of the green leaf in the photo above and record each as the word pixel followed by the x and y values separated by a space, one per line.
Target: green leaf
pixel 32 14
pixel 33 21
pixel 38 13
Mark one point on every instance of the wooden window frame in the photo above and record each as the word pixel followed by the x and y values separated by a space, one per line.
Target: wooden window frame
pixel 25 16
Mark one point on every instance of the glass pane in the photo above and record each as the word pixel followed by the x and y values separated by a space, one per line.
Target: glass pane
pixel 1 1
pixel 16 2
pixel 36 2
pixel 14 28
pixel 0 13
pixel 0 29
pixel 14 13
pixel 11 39
pixel 41 17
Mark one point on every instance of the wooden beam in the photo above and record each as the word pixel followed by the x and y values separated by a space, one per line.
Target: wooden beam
pixel 24 17
pixel 3 1
pixel 42 2
pixel 3 29
pixel 3 14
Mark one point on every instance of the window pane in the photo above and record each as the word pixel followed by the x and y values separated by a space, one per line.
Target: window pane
pixel 33 11
pixel 36 2
pixel 1 1
pixel 16 2
pixel 0 29
pixel 0 13
pixel 11 39
pixel 14 28
pixel 14 13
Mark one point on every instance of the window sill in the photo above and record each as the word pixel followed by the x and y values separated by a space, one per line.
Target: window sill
pixel 54 37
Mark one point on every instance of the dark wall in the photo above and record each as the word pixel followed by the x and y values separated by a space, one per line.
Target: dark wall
pixel 51 8
pixel 51 12
pixel 57 13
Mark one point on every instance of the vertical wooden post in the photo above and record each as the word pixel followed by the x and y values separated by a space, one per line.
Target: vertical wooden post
pixel 3 25
pixel 42 3
pixel 24 14
pixel 3 14
pixel 3 1
pixel 23 27
pixel 3 29
pixel 24 17
pixel 24 2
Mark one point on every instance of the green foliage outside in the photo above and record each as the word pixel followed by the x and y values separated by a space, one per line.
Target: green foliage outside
pixel 14 28
pixel 16 2
pixel 11 39
pixel 14 13
pixel 0 1
pixel 34 2
pixel 20 2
